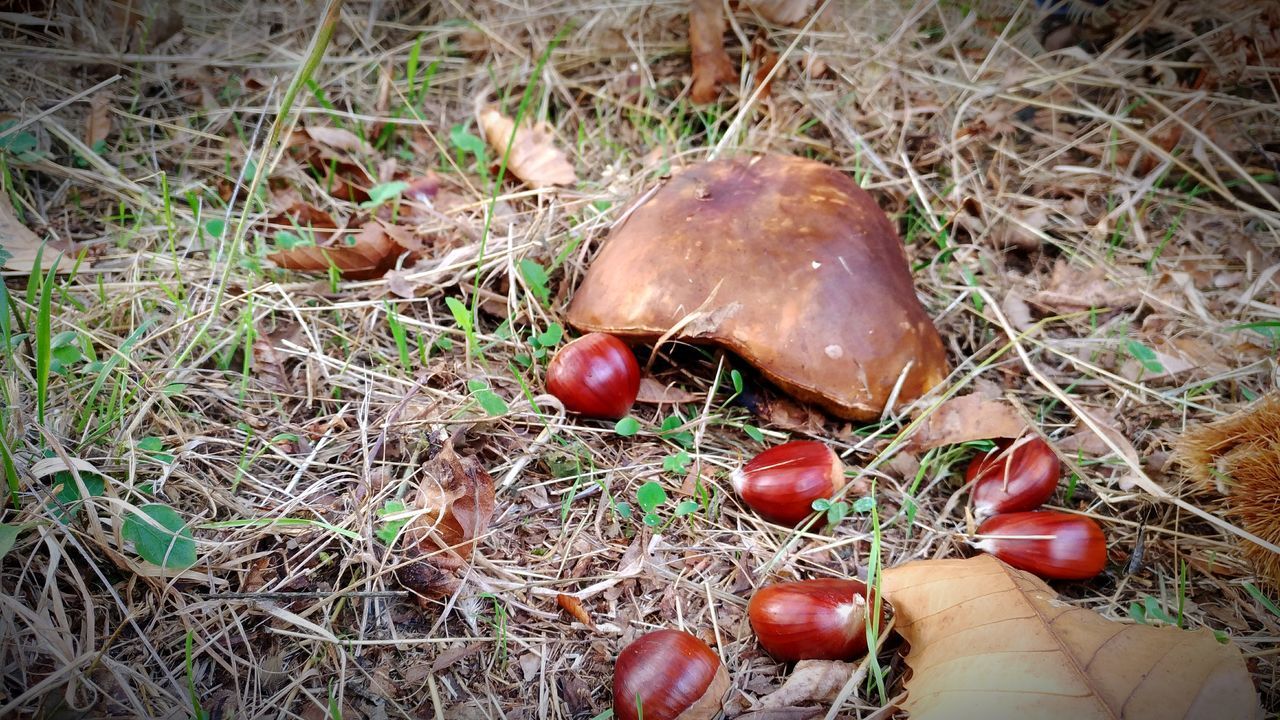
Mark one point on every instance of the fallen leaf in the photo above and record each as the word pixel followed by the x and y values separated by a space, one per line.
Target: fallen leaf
pixel 965 418
pixel 1021 228
pixel 782 12
pixel 452 656
pixel 787 414
pixel 784 713
pixel 97 125
pixel 765 59
pixel 1087 442
pixel 576 695
pixel 270 354
pixel 654 392
pixel 1070 288
pixel 711 64
pixel 988 641
pixel 429 577
pixel 811 681
pixel 573 606
pixel 20 245
pixel 337 138
pixel 534 157
pixel 367 253
pixel 1016 309
pixel 456 496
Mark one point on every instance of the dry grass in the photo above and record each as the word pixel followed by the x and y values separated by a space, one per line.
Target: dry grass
pixel 1063 211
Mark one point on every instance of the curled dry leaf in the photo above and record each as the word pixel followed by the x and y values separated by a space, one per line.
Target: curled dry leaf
pixel 20 245
pixel 456 497
pixel 811 681
pixel 1070 288
pixel 337 138
pixel 711 64
pixel 534 157
pixel 654 392
pixel 784 713
pixel 367 253
pixel 989 641
pixel 573 606
pixel 270 355
pixel 1088 442
pixel 965 418
pixel 783 12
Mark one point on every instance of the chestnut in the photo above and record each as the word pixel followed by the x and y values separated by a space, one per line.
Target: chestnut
pixel 1053 545
pixel 668 675
pixel 595 375
pixel 812 619
pixel 782 482
pixel 1015 477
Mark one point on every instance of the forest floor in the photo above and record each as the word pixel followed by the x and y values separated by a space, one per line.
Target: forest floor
pixel 1091 212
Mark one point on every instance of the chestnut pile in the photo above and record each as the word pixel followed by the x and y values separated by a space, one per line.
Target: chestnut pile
pixel 673 675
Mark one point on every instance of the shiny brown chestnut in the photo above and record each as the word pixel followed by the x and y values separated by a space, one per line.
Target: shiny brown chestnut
pixel 1015 477
pixel 595 375
pixel 782 482
pixel 668 675
pixel 1053 545
pixel 822 619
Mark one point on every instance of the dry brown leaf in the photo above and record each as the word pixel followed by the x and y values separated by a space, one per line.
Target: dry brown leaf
pixel 965 418
pixel 456 495
pixel 711 64
pixel 1170 365
pixel 337 138
pixel 368 253
pixel 429 577
pixel 787 414
pixel 270 355
pixel 534 157
pixel 654 392
pixel 1070 288
pixel 991 642
pixel 1016 309
pixel 811 681
pixel 573 606
pixel 1086 441
pixel 784 713
pixel 97 126
pixel 783 12
pixel 22 245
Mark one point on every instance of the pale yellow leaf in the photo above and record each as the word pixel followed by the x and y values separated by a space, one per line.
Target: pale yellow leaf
pixel 534 157
pixel 988 642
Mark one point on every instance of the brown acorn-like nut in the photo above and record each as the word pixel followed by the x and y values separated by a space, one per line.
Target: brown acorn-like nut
pixel 822 619
pixel 782 482
pixel 1021 476
pixel 1053 545
pixel 595 375
pixel 668 675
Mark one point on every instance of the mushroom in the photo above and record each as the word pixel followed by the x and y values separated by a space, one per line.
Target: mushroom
pixel 782 260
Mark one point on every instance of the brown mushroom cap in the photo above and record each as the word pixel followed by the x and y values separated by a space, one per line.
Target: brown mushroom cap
pixel 810 281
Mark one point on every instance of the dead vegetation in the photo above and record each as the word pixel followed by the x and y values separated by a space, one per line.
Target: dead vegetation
pixel 1091 210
